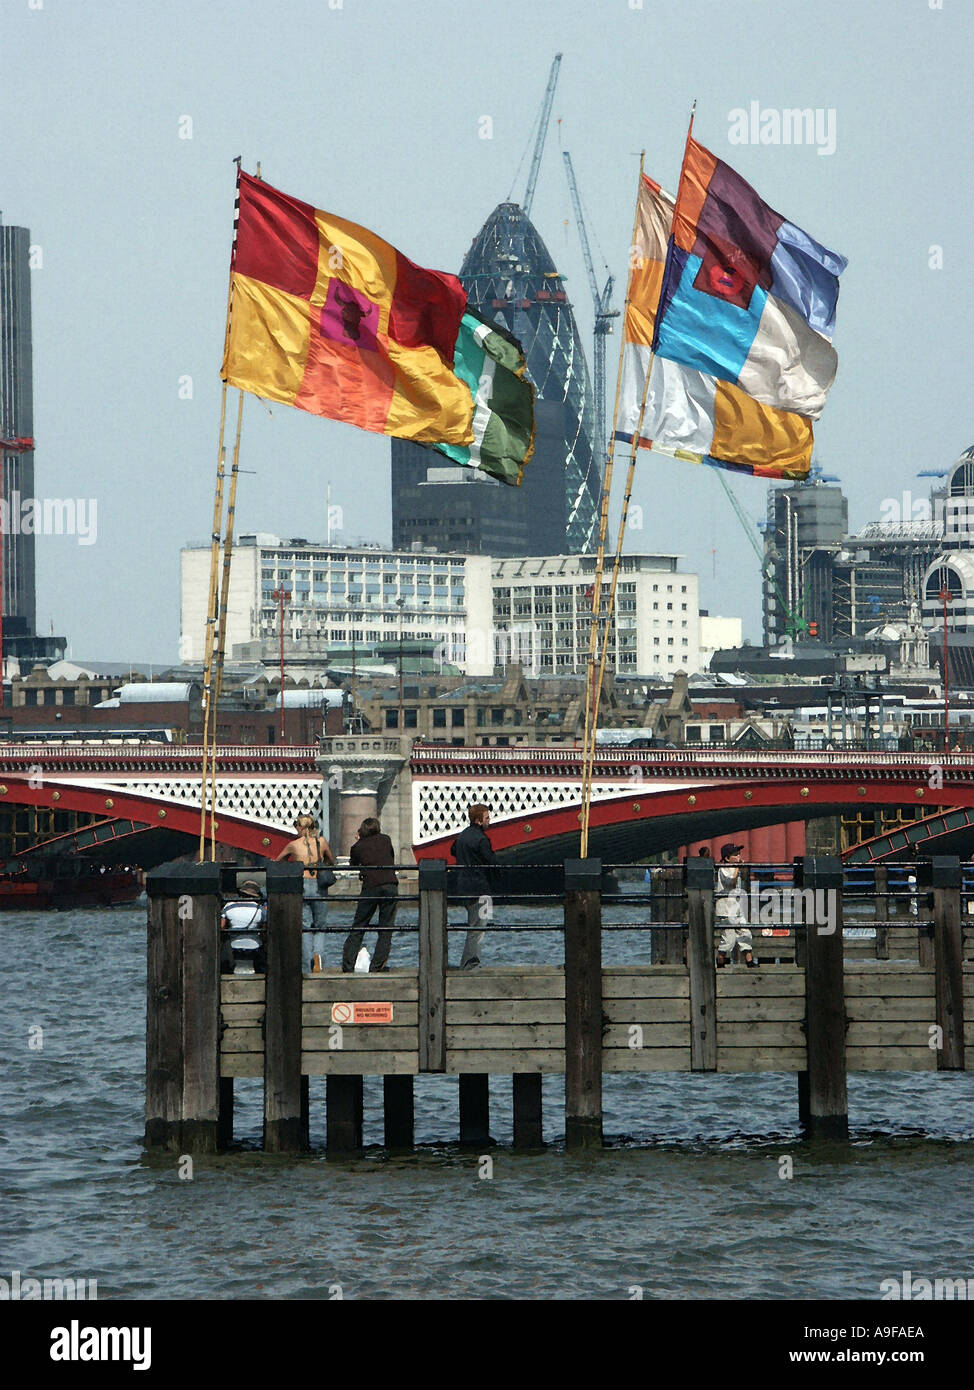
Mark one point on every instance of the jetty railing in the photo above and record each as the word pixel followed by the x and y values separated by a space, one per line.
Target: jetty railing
pixel 875 976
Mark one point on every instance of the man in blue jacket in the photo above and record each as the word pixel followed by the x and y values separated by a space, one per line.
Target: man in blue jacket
pixel 473 852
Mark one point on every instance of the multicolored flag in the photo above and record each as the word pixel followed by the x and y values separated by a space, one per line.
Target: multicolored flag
pixel 691 414
pixel 492 364
pixel 327 317
pixel 747 296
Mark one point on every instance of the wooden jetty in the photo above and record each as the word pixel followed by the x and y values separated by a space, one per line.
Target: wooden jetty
pixel 901 1001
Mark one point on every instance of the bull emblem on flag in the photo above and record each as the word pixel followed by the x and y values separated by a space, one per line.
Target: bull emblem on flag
pixel 352 314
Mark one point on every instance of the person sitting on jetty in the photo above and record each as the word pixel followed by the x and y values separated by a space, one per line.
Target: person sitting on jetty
pixel 729 908
pixel 241 923
pixel 373 855
pixel 313 852
pixel 473 852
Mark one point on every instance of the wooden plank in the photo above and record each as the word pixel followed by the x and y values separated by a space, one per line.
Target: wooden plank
pixel 914 1008
pixel 504 1063
pixel 618 1059
pixel 583 1004
pixel 701 968
pixel 890 1059
pixel 646 1011
pixel 338 988
pixel 504 1011
pixel 653 1035
pixel 285 1127
pixel 776 1008
pixel 786 1059
pixel 245 1039
pixel 238 1015
pixel 526 1105
pixel 432 965
pixel 242 989
pixel 404 1014
pixel 379 1037
pixel 743 1034
pixel 489 983
pixel 878 985
pixel 242 1064
pixel 517 1036
pixel 360 1063
pixel 767 980
pixel 885 1034
pixel 629 984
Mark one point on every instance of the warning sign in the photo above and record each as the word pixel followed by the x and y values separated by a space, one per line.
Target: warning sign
pixel 361 1013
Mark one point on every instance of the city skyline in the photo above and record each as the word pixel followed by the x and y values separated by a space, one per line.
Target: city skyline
pixel 126 184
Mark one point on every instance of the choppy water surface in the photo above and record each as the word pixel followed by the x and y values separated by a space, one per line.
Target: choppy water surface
pixel 686 1202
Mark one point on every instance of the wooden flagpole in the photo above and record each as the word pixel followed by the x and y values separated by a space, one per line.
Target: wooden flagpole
pixel 209 700
pixel 591 714
pixel 222 627
pixel 211 613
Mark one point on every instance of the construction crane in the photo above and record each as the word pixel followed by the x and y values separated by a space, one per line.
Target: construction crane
pixel 603 314
pixel 795 624
pixel 16 446
pixel 549 97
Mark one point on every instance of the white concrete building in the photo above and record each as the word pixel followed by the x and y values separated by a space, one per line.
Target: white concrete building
pixel 342 598
pixel 542 611
pixel 718 634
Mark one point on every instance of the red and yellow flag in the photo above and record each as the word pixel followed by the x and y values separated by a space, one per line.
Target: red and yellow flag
pixel 327 317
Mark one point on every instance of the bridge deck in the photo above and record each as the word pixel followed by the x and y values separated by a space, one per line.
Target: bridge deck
pixel 512 1020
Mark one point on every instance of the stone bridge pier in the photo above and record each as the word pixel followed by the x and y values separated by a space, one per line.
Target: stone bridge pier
pixel 368 775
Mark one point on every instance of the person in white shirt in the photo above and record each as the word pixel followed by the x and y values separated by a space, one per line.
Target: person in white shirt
pixel 730 909
pixel 242 919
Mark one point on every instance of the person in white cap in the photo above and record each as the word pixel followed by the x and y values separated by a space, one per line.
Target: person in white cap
pixel 729 908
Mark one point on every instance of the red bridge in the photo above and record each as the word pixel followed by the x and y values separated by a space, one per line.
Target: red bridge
pixel 642 801
pixel 647 801
pixel 147 797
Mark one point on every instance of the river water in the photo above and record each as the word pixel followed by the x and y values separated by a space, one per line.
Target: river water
pixel 688 1199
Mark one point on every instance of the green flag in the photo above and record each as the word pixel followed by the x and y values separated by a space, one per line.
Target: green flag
pixel 490 361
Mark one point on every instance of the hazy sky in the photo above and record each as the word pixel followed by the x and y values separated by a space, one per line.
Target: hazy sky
pixel 371 109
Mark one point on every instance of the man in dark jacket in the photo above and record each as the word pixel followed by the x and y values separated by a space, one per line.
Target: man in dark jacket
pixel 472 851
pixel 373 855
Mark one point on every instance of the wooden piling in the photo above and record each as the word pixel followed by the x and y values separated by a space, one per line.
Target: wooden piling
pixel 526 1087
pixel 583 1003
pixel 886 907
pixel 432 965
pixel 667 944
pixel 182 1097
pixel 701 964
pixel 398 1111
pixel 225 1116
pixel 948 961
pixel 822 1093
pixel 285 1095
pixel 474 1109
pixel 343 1113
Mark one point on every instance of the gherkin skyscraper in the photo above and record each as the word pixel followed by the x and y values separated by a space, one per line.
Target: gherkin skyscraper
pixel 510 277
